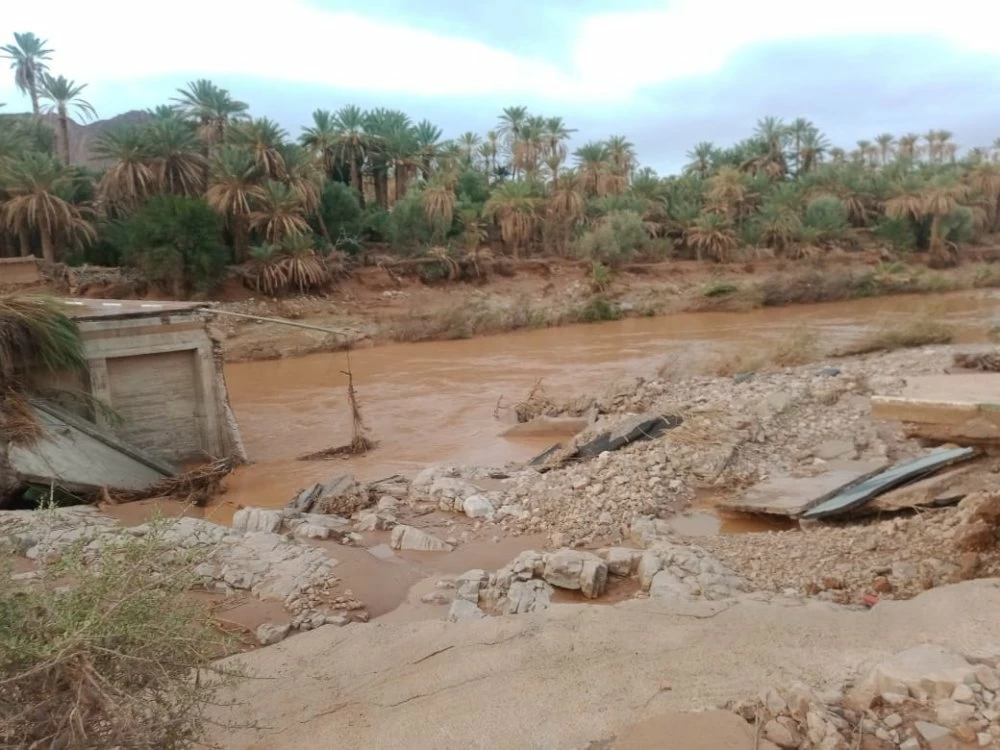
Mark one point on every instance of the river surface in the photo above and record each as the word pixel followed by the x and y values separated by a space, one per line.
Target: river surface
pixel 433 403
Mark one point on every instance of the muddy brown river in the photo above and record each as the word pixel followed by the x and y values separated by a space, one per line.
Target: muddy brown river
pixel 433 403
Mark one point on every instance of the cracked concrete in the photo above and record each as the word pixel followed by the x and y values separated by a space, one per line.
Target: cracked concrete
pixel 572 675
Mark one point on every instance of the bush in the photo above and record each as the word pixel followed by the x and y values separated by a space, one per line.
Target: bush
pixel 174 241
pixel 609 204
pixel 826 214
pixel 615 239
pixel 896 233
pixel 107 652
pixel 959 225
pixel 598 308
pixel 341 213
pixel 472 187
pixel 375 223
pixel 409 229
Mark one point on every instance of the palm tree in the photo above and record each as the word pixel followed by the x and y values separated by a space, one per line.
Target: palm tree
pixel 985 178
pixel 62 94
pixel 592 166
pixel 946 149
pixel 164 112
pixel 931 137
pixel 396 147
pixel 212 108
pixel 941 198
pixel 351 124
pixel 178 168
pixel 322 139
pixel 35 184
pixel 129 180
pixel 621 154
pixel 232 190
pixel 798 131
pixel 428 142
pixel 908 147
pixel 439 205
pixel 513 206
pixel 772 133
pixel 555 133
pixel 278 213
pixel 29 60
pixel 469 142
pixel 885 142
pixel 509 126
pixel 564 207
pixel 711 234
pixel 263 138
pixel 305 178
pixel 838 155
pixel 701 158
pixel 812 148
pixel 489 151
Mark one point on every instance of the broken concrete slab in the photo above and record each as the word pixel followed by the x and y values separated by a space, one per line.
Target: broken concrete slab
pixel 640 427
pixel 946 488
pixel 905 471
pixel 77 455
pixel 792 496
pixel 958 408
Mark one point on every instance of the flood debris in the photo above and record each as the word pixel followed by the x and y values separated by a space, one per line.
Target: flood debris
pixel 360 442
pixel 859 493
pixel 197 486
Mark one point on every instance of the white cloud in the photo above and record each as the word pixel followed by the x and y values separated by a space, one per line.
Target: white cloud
pixel 116 43
pixel 696 37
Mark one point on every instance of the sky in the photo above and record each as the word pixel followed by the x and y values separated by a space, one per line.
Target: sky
pixel 665 73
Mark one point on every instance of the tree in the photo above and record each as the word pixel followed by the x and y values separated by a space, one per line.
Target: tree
pixel 351 125
pixel 322 139
pixel 513 206
pixel 305 178
pixel 174 240
pixel 172 151
pixel 62 94
pixel 711 234
pixel 811 150
pixel 427 139
pixel 700 159
pixel 35 184
pixel 469 143
pixel 564 207
pixel 212 108
pixel 885 142
pixel 439 203
pixel 798 131
pixel 907 147
pixel 277 213
pixel 263 138
pixel 232 189
pixel 509 126
pixel 29 61
pixel 129 180
pixel 621 155
pixel 556 133
pixel 592 167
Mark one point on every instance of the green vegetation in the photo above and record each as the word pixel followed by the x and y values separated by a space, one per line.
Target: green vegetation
pixel 107 653
pixel 924 330
pixel 354 180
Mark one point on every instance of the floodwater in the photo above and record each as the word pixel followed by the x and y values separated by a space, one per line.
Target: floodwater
pixel 434 403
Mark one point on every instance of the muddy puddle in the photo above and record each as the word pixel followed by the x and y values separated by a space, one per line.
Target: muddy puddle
pixel 434 403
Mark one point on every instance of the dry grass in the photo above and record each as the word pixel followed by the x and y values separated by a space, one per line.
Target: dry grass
pixel 107 652
pixel 921 331
pixel 799 347
pixel 985 361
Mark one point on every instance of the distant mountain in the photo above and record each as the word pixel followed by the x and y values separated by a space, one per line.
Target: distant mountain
pixel 81 137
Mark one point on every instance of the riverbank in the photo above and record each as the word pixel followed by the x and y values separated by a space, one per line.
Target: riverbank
pixel 373 308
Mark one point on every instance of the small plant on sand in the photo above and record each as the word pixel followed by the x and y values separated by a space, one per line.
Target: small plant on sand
pixel 719 288
pixel 601 277
pixel 108 652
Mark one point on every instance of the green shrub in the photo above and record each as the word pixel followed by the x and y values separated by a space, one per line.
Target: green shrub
pixel 609 204
pixel 959 225
pixel 375 223
pixel 598 308
pixel 896 233
pixel 719 289
pixel 174 241
pixel 615 239
pixel 827 215
pixel 472 187
pixel 341 213
pixel 107 652
pixel 409 229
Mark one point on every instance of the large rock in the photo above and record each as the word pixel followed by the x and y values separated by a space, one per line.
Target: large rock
pixel 343 496
pixel 527 596
pixel 410 537
pixel 257 519
pixel 468 585
pixel 577 571
pixel 924 672
pixel 268 634
pixel 478 506
pixel 622 561
pixel 464 610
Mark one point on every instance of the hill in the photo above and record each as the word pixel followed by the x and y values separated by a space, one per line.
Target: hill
pixel 82 136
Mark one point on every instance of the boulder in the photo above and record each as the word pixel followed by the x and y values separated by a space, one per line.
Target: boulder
pixel 527 596
pixel 410 537
pixel 468 584
pixel 667 585
pixel 478 506
pixel 621 560
pixel 464 610
pixel 370 521
pixel 577 571
pixel 257 519
pixel 649 565
pixel 268 634
pixel 782 734
pixel 923 672
pixel 953 714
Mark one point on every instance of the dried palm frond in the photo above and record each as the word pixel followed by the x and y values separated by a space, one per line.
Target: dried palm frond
pixel 36 331
pixel 18 425
pixel 303 269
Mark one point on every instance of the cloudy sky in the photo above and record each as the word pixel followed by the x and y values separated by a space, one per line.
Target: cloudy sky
pixel 667 73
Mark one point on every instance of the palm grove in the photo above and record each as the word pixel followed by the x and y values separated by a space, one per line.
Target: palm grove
pixel 202 184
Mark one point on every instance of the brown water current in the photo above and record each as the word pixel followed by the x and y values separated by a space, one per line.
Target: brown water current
pixel 433 403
